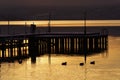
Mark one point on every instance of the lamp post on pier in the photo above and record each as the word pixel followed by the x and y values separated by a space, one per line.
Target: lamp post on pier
pixel 85 40
pixel 49 40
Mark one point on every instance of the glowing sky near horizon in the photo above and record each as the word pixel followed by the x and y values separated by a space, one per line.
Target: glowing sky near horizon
pixel 65 23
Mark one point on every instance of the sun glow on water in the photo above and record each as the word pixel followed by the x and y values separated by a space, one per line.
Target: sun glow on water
pixel 61 23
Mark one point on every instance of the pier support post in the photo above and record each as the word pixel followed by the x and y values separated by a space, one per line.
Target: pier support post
pixel 49 45
pixel 68 45
pixel 33 48
pixel 85 51
pixel 3 52
pixel 11 49
pixel 49 49
pixel 100 45
pixel 72 45
pixel 79 45
pixel 56 45
pixel 106 42
pixel 19 49
pixel 96 44
pixel 103 43
pixel 32 44
pixel 65 43
pixel 3 49
pixel 91 44
pixel 62 45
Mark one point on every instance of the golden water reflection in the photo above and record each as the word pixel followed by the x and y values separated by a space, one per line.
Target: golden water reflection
pixel 105 68
pixel 61 23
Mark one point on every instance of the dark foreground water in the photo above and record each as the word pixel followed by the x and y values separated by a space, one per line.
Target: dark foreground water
pixel 107 67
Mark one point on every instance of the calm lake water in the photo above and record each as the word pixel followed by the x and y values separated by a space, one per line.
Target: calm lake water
pixel 107 67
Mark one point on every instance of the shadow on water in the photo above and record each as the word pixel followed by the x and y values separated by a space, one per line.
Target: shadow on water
pixel 33 58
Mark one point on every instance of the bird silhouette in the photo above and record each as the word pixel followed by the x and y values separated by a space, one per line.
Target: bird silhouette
pixel 92 62
pixel 81 64
pixel 64 63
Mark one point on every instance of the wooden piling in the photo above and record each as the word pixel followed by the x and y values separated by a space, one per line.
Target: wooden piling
pixel 61 45
pixel 56 45
pixel 90 44
pixel 72 46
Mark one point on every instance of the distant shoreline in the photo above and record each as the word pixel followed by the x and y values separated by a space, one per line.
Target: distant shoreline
pixel 113 31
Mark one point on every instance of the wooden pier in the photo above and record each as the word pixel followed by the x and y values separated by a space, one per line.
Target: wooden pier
pixel 22 46
pixel 15 47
